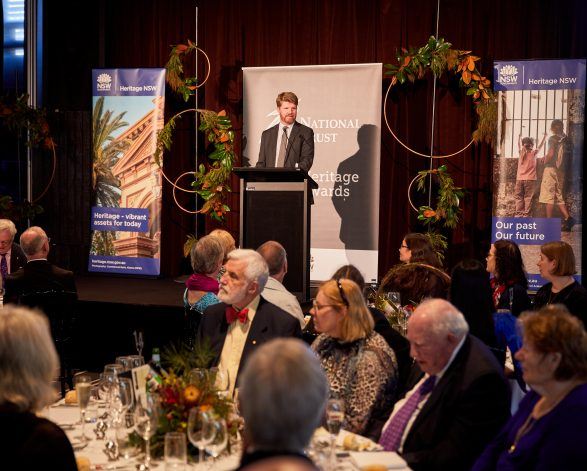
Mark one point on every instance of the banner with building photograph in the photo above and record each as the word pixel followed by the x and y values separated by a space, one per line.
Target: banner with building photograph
pixel 128 106
pixel 342 104
pixel 538 165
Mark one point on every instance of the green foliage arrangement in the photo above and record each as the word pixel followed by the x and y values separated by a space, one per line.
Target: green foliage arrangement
pixel 438 56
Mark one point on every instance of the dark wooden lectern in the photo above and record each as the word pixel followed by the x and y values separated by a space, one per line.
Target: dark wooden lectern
pixel 275 205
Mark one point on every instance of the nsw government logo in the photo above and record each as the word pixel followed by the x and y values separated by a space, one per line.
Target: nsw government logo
pixel 508 74
pixel 103 82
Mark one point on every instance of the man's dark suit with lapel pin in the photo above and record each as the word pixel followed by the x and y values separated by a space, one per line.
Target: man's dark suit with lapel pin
pixel 17 258
pixel 268 323
pixel 300 147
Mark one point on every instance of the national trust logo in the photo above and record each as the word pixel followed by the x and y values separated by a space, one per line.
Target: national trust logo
pixel 507 74
pixel 104 81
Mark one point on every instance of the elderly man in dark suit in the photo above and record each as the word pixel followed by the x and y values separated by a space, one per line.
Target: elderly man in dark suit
pixel 462 401
pixel 243 320
pixel 288 144
pixel 11 255
pixel 38 279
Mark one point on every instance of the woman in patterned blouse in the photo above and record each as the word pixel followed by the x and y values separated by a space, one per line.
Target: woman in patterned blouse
pixel 360 366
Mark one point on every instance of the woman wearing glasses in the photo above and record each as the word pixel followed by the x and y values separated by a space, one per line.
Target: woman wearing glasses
pixel 360 366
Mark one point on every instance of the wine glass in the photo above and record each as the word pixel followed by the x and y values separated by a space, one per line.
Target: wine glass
pixel 83 388
pixel 136 361
pixel 121 398
pixel 146 417
pixel 200 430
pixel 125 362
pixel 198 377
pixel 113 368
pixel 334 421
pixel 219 442
pixel 139 343
pixel 220 379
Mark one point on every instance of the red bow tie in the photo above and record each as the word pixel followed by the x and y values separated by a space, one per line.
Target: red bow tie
pixel 232 315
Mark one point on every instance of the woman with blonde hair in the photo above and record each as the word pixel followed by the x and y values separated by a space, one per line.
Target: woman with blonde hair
pixel 360 366
pixel 28 364
pixel 549 430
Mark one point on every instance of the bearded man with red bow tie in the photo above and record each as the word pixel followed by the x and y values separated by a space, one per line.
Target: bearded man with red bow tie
pixel 243 320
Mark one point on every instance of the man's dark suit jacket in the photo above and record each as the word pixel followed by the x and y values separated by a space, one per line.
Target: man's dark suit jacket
pixel 464 412
pixel 269 322
pixel 17 258
pixel 300 147
pixel 38 278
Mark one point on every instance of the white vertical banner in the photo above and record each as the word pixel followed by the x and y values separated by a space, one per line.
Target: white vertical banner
pixel 342 104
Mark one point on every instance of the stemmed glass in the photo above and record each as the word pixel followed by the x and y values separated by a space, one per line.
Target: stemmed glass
pixel 198 377
pixel 139 343
pixel 219 442
pixel 83 388
pixel 121 398
pixel 334 421
pixel 200 431
pixel 221 380
pixel 146 417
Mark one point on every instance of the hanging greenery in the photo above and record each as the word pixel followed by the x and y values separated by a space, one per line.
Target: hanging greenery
pixel 210 181
pixel 438 56
pixel 184 86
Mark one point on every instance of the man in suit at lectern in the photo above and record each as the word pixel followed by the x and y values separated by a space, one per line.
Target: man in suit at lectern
pixel 288 144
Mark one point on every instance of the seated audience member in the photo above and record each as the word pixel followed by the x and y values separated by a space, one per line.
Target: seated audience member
pixel 509 283
pixel 459 405
pixel 415 281
pixel 42 285
pixel 274 291
pixel 416 247
pixel 557 265
pixel 398 343
pixel 38 280
pixel 228 243
pixel 243 320
pixel 360 366
pixel 11 255
pixel 549 430
pixel 282 397
pixel 28 363
pixel 470 293
pixel 207 256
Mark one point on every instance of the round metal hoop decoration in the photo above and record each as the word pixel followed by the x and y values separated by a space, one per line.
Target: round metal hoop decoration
pixel 207 68
pixel 54 156
pixel 175 197
pixel 409 148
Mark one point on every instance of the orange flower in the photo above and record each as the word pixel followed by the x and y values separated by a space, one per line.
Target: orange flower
pixel 191 394
pixel 429 213
pixel 180 48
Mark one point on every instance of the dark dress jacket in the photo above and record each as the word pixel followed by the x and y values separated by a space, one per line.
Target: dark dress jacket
pixel 270 322
pixel 465 410
pixel 37 278
pixel 17 258
pixel 28 442
pixel 300 147
pixel 574 297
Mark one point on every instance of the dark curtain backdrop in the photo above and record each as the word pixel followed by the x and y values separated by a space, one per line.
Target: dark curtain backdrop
pixel 236 34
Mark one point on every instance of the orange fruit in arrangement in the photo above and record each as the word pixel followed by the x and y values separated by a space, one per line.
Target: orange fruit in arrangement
pixel 191 394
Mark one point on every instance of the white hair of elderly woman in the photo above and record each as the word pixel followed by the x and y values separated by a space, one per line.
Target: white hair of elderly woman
pixel 28 359
pixel 283 393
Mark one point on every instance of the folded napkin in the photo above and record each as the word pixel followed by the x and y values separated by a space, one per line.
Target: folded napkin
pixel 389 459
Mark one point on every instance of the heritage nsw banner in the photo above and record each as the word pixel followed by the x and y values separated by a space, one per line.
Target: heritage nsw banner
pixel 538 166
pixel 342 104
pixel 128 107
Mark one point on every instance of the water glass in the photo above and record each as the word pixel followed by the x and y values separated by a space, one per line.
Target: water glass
pixel 136 361
pixel 113 368
pixel 334 421
pixel 221 379
pixel 125 362
pixel 124 426
pixel 175 451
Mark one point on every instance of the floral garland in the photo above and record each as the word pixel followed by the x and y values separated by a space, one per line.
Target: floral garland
pixel 211 182
pixel 438 56
pixel 185 87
